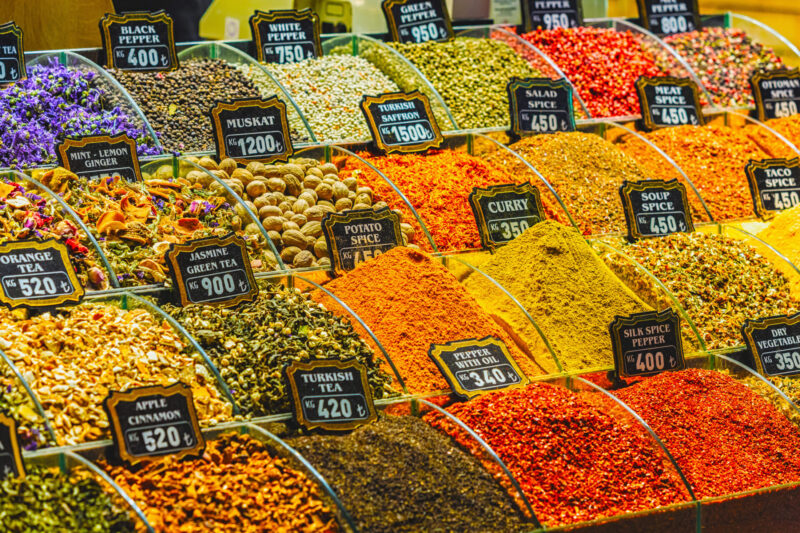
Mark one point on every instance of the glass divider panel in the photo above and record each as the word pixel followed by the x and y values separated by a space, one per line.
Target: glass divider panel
pixel 768 139
pixel 766 35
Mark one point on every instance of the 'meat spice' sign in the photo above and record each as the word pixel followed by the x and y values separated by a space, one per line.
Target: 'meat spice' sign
pixel 667 101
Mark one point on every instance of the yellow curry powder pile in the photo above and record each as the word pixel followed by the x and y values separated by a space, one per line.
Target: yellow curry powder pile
pixel 783 233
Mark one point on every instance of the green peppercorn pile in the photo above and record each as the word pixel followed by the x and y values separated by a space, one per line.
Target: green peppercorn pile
pixel 250 345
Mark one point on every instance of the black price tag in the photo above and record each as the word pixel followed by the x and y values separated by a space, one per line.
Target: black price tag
pixel 212 271
pixel 139 41
pixel 11 463
pixel 148 423
pixel 358 235
pixel 417 21
pixel 401 122
pixel 100 157
pixel 774 184
pixel 776 93
pixel 668 101
pixel 648 343
pixel 332 395
pixel 503 212
pixel 655 208
pixel 552 14
pixel 473 367
pixel 252 129
pixel 286 36
pixel 665 17
pixel 12 54
pixel 37 275
pixel 540 105
pixel 774 343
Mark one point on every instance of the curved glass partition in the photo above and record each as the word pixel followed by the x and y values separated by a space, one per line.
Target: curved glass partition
pixel 761 33
pixel 773 143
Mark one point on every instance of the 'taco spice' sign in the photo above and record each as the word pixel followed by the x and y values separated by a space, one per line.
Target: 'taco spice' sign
pixel 139 41
pixel 774 184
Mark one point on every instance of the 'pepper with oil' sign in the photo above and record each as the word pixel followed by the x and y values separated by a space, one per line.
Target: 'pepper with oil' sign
pixel 774 184
pixel 417 21
pixel 665 17
pixel 774 343
pixel 101 156
pixel 148 423
pixel 11 463
pixel 358 235
pixel 503 212
pixel 401 122
pixel 12 54
pixel 776 93
pixel 329 394
pixel 252 129
pixel 139 41
pixel 667 101
pixel 540 105
pixel 286 36
pixel 655 208
pixel 647 343
pixel 552 14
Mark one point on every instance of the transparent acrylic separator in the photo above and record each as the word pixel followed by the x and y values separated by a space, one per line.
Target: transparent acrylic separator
pixel 32 396
pixel 737 118
pixel 763 34
pixel 233 56
pixel 359 45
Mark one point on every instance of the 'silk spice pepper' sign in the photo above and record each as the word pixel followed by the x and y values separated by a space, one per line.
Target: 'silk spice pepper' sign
pixel 286 36
pixel 665 17
pixel 503 212
pixel 12 54
pixel 775 344
pixel 212 271
pixel 11 463
pixel 148 423
pixel 37 275
pixel 540 105
pixel 473 367
pixel 401 122
pixel 552 14
pixel 774 184
pixel 101 156
pixel 655 208
pixel 358 235
pixel 139 41
pixel 776 93
pixel 252 129
pixel 667 101
pixel 647 343
pixel 332 395
pixel 417 21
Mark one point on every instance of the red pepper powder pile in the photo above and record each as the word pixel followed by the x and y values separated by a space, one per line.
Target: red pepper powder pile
pixel 572 458
pixel 724 437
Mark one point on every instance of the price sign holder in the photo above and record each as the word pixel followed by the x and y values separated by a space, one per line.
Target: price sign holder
pixel 252 129
pixel 666 101
pixel 550 15
pixel 401 122
pixel 212 271
pixel 647 343
pixel 666 17
pixel 37 275
pixel 360 234
pixel 655 208
pixel 330 394
pixel 417 21
pixel 540 105
pixel 286 36
pixel 139 41
pixel 149 423
pixel 774 184
pixel 774 343
pixel 12 54
pixel 776 93
pixel 101 156
pixel 11 463
pixel 503 212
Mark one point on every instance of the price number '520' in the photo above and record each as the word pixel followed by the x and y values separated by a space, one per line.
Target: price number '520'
pixel 258 144
pixel 37 286
pixel 161 438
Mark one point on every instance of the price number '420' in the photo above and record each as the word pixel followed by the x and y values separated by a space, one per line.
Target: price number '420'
pixel 334 408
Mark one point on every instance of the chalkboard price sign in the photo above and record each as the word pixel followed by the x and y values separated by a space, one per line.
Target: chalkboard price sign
pixel 358 235
pixel 139 41
pixel 540 105
pixel 12 54
pixel 655 208
pixel 775 344
pixel 774 184
pixel 11 463
pixel 101 156
pixel 401 122
pixel 552 14
pixel 417 21
pixel 647 343
pixel 286 36
pixel 667 101
pixel 252 129
pixel 666 17
pixel 776 93
pixel 503 212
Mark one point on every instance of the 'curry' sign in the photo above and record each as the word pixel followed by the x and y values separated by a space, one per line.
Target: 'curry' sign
pixel 417 21
pixel 647 343
pixel 139 41
pixel 101 156
pixel 286 36
pixel 667 101
pixel 503 212
pixel 776 93
pixel 12 54
pixel 360 234
pixel 775 344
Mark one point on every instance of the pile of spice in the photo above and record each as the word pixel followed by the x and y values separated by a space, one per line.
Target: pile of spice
pixel 724 59
pixel 783 233
pixel 53 103
pixel 410 301
pixel 575 458
pixel 788 127
pixel 73 358
pixel 400 475
pixel 790 386
pixel 17 404
pixel 471 76
pixel 723 436
pixel 46 499
pixel 177 103
pixel 237 485
pixel 250 344
pixel 719 281
pixel 566 289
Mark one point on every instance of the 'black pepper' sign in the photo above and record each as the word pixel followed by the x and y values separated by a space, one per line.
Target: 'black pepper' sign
pixel 11 463
pixel 667 101
pixel 139 41
pixel 286 36
pixel 417 21
pixel 37 275
pixel 776 93
pixel 774 184
pixel 358 235
pixel 503 212
pixel 12 54
pixel 148 423
pixel 473 367
pixel 330 394
pixel 775 344
pixel 647 343
pixel 101 156
pixel 401 122
pixel 212 271
pixel 552 14
pixel 655 208
pixel 540 105
pixel 665 17
pixel 252 129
